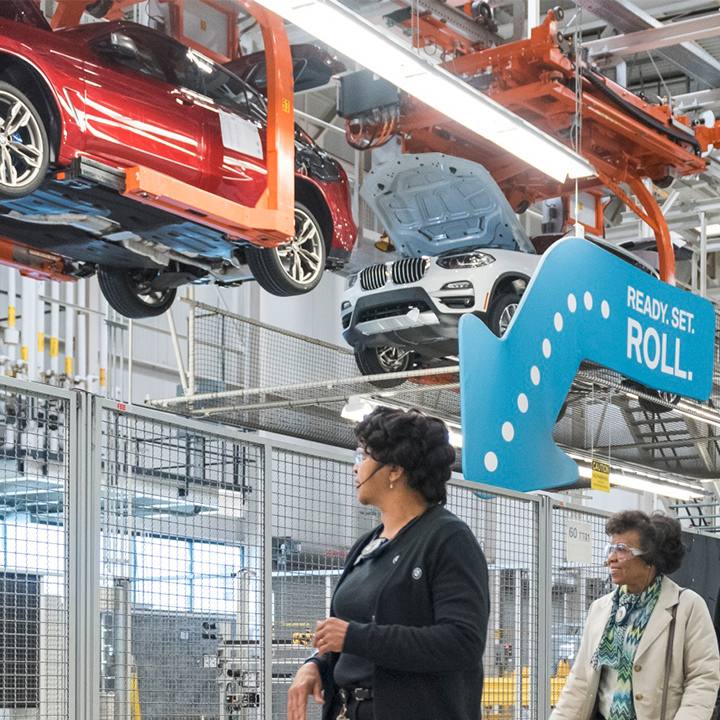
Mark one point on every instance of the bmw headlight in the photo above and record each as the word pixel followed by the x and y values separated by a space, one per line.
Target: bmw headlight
pixel 352 280
pixel 474 259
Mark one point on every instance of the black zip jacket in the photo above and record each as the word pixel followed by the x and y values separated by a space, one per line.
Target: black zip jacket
pixel 429 625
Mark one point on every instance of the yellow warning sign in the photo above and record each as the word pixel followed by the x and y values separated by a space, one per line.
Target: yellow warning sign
pixel 286 105
pixel 600 476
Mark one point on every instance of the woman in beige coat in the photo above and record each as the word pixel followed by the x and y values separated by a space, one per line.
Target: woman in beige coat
pixel 619 673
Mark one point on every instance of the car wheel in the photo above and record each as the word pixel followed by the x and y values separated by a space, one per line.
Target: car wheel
pixel 24 146
pixel 377 360
pixel 502 311
pixel 295 267
pixel 130 292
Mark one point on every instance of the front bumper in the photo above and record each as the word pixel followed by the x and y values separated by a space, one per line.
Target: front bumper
pixel 406 317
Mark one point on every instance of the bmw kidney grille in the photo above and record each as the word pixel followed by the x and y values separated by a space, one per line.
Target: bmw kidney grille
pixel 373 277
pixel 410 270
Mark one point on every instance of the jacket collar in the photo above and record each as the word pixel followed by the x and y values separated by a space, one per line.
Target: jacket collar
pixel 661 615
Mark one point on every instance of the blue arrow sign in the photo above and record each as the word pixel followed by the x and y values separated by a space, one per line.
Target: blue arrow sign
pixel 582 304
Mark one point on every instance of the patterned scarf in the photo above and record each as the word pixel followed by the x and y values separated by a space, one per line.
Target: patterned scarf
pixel 618 644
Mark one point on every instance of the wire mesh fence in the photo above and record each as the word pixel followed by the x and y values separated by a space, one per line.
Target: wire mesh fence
pixel 316 519
pixel 579 577
pixel 181 575
pixel 220 551
pixel 507 529
pixel 34 619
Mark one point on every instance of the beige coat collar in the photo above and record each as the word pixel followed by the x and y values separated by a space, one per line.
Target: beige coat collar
pixel 660 617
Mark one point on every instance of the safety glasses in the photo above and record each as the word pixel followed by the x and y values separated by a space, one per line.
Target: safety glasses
pixel 622 551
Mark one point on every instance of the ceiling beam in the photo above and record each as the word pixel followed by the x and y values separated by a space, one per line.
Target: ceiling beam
pixel 656 37
pixel 700 99
pixel 628 18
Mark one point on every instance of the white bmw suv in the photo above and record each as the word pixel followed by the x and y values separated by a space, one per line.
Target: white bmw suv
pixel 463 250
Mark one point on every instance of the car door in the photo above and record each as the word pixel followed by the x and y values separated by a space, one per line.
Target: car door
pixel 234 119
pixel 135 114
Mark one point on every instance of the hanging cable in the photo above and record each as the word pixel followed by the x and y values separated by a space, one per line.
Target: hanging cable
pixel 577 130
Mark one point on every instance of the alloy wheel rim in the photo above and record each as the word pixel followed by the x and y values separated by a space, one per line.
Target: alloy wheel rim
pixel 302 258
pixel 506 316
pixel 393 359
pixel 21 143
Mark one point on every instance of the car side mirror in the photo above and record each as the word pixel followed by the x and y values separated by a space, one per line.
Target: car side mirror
pixel 119 46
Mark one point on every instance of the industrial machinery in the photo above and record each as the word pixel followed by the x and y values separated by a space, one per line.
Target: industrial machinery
pixel 545 80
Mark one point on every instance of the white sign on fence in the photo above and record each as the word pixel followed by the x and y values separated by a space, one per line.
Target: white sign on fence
pixel 578 542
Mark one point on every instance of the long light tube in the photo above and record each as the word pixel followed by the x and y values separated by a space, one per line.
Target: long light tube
pixel 637 482
pixel 379 51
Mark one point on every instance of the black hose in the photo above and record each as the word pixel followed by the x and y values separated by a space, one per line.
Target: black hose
pixel 635 112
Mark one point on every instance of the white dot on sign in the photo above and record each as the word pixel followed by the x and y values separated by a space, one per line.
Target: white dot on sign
pixel 491 461
pixel 558 322
pixel 522 402
pixel 605 309
pixel 588 300
pixel 572 303
pixel 547 348
pixel 535 375
pixel 508 431
pixel 689 374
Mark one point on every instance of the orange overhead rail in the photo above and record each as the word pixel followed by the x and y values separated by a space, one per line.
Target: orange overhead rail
pixel 272 221
pixel 33 263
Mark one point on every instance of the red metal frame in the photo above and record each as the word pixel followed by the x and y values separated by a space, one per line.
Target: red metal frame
pixel 272 221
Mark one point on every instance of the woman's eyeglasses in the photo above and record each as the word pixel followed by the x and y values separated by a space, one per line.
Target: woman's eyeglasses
pixel 360 455
pixel 622 551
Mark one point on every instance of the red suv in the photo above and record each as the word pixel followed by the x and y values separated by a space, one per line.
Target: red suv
pixel 79 105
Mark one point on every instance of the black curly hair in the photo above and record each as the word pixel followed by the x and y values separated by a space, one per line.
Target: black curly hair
pixel 660 537
pixel 415 442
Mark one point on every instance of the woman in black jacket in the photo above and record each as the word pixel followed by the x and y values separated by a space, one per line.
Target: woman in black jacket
pixel 409 615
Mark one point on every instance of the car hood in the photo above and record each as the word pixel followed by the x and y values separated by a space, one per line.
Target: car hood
pixel 433 203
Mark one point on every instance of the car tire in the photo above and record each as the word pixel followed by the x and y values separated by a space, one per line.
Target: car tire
pixel 377 360
pixel 502 311
pixel 127 290
pixel 296 267
pixel 24 144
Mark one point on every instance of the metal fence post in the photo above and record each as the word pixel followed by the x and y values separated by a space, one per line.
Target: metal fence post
pixel 545 530
pixel 84 556
pixel 267 580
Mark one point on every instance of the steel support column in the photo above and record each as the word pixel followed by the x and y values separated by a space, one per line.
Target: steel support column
pixel 544 640
pixel 83 517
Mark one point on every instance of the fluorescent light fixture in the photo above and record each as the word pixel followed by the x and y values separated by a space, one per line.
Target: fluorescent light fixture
pixel 383 54
pixel 636 482
pixel 455 436
pixel 358 406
